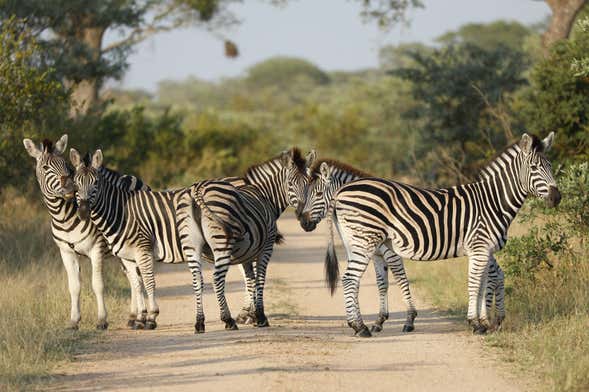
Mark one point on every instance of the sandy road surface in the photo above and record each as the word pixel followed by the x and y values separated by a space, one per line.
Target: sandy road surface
pixel 307 348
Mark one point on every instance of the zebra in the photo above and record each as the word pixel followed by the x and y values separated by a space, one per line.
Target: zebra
pixel 420 224
pixel 74 237
pixel 176 226
pixel 328 176
pixel 252 211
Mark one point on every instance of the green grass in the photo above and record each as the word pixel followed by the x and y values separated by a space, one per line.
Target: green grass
pixel 546 332
pixel 34 305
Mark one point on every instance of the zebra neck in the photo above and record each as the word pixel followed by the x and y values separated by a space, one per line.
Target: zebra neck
pixel 269 179
pixel 107 208
pixel 60 210
pixel 502 191
pixel 340 177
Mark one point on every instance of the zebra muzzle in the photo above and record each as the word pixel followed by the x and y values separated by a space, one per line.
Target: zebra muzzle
pixel 306 223
pixel 554 196
pixel 83 209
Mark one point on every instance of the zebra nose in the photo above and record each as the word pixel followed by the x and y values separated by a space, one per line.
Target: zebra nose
pixel 83 209
pixel 67 185
pixel 554 196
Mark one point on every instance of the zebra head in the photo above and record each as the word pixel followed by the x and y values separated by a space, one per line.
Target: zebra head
pixel 52 170
pixel 317 198
pixel 86 180
pixel 296 169
pixel 536 172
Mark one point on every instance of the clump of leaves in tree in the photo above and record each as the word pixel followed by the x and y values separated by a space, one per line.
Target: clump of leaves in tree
pixel 558 99
pixel 32 101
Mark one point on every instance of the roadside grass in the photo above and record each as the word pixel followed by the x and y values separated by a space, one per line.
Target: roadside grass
pixel 35 301
pixel 546 331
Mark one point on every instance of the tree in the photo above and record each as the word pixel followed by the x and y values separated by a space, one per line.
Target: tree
pixel 458 88
pixel 558 98
pixel 564 13
pixel 73 32
pixel 488 36
pixel 31 99
pixel 280 71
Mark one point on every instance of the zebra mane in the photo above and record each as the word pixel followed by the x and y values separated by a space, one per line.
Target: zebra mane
pixel 47 145
pixel 507 155
pixel 297 156
pixel 315 169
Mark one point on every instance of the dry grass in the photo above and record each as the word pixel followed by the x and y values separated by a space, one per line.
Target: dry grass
pixel 35 300
pixel 546 332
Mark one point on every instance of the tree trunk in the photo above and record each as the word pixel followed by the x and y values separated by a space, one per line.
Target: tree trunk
pixel 564 13
pixel 85 92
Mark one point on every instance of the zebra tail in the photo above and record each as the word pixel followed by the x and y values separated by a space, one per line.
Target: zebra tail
pixel 331 264
pixel 197 196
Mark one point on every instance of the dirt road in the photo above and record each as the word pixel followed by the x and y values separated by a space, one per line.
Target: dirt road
pixel 307 348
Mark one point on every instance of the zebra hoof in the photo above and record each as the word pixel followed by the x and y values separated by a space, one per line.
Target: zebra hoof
pixel 231 325
pixel 150 324
pixel 479 330
pixel 73 326
pixel 376 328
pixel 408 328
pixel 138 325
pixel 199 327
pixel 102 326
pixel 364 332
pixel 131 322
pixel 263 323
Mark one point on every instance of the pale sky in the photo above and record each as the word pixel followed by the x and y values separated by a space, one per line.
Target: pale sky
pixel 329 33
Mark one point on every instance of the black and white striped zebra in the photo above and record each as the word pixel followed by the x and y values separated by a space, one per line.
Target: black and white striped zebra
pixel 252 211
pixel 421 224
pixel 327 177
pixel 175 226
pixel 75 237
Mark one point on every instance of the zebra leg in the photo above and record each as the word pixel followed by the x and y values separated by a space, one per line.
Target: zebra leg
pixel 96 258
pixel 382 282
pixel 497 285
pixel 478 262
pixel 72 268
pixel 145 264
pixel 248 311
pixel 261 266
pixel 197 286
pixel 221 267
pixel 192 242
pixel 395 263
pixel 138 312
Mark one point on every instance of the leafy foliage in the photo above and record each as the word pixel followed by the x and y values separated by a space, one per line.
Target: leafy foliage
pixel 32 101
pixel 559 97
pixel 455 87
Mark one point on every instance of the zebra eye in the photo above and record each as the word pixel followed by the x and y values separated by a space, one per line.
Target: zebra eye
pixel 534 166
pixel 319 194
pixel 45 167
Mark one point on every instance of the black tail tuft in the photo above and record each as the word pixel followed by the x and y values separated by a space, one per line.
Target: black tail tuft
pixel 331 268
pixel 279 239
pixel 331 264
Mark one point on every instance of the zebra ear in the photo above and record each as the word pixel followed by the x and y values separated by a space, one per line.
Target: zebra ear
pixel 60 145
pixel 32 149
pixel 547 142
pixel 97 159
pixel 310 158
pixel 526 143
pixel 324 170
pixel 286 158
pixel 75 157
